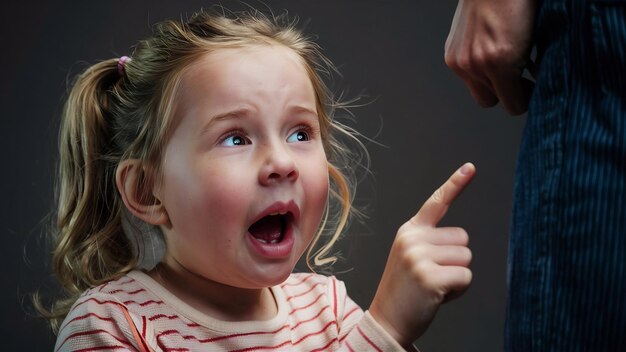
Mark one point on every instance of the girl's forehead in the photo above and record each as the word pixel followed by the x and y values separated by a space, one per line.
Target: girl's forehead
pixel 258 77
pixel 233 71
pixel 234 56
pixel 257 65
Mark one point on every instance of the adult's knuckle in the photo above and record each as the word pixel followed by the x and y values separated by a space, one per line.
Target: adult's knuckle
pixel 479 59
pixel 502 53
pixel 450 59
pixel 465 63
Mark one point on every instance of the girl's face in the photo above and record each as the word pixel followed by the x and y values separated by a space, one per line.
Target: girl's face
pixel 245 177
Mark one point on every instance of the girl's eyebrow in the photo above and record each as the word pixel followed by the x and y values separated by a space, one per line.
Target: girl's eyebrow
pixel 242 112
pixel 301 110
pixel 234 114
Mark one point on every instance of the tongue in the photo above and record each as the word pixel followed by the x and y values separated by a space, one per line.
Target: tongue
pixel 268 229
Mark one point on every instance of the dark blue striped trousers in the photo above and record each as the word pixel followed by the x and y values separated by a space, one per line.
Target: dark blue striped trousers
pixel 567 253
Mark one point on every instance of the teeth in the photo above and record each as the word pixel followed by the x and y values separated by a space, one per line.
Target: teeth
pixel 265 242
pixel 279 213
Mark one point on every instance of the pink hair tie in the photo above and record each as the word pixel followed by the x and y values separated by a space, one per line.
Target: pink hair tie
pixel 120 64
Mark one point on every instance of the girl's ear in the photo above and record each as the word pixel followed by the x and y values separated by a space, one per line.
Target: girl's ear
pixel 137 195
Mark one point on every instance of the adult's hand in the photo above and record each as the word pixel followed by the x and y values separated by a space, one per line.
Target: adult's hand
pixel 489 46
pixel 427 266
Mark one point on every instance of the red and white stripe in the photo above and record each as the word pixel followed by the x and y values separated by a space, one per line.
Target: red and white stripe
pixel 315 314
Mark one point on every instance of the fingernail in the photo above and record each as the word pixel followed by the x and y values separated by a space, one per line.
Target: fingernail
pixel 466 168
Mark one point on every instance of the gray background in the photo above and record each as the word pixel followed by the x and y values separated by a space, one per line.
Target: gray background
pixel 391 52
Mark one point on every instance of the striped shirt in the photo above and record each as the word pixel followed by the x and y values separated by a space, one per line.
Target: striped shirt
pixel 314 314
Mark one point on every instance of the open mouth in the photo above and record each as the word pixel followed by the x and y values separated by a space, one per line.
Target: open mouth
pixel 271 228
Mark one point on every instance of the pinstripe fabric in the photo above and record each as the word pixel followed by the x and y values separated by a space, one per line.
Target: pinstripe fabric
pixel 567 255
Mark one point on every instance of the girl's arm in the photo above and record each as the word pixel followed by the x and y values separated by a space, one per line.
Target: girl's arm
pixel 427 266
pixel 358 331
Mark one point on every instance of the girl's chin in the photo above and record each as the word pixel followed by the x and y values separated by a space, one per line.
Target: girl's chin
pixel 273 276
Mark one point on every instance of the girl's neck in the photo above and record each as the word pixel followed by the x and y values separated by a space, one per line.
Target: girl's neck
pixel 212 298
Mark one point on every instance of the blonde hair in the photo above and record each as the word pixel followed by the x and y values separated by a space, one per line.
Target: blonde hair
pixel 109 118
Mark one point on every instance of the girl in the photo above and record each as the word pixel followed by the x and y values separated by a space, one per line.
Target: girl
pixel 192 179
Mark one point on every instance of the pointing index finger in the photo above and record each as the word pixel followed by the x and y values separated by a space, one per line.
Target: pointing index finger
pixel 437 205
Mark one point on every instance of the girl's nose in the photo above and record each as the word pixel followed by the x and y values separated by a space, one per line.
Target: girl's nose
pixel 278 165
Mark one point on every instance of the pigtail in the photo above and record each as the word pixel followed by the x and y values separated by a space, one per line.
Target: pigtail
pixel 91 247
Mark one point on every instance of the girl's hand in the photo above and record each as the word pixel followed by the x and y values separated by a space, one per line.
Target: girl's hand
pixel 427 266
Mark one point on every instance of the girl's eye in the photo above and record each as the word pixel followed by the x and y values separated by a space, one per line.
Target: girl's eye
pixel 298 136
pixel 234 140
